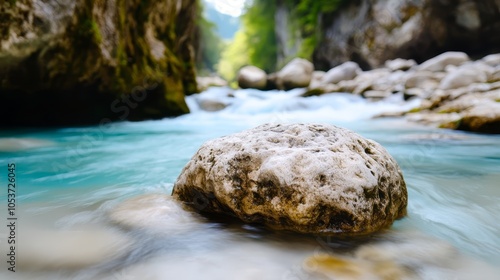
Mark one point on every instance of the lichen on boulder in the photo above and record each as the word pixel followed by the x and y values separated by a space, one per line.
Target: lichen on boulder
pixel 307 178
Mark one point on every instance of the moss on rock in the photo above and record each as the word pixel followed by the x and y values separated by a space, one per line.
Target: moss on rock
pixel 95 53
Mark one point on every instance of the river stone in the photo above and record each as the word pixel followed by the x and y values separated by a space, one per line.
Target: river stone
pixel 344 72
pixel 48 249
pixel 440 62
pixel 308 178
pixel 492 59
pixel 400 64
pixel 482 118
pixel 462 77
pixel 296 74
pixel 252 77
pixel 154 213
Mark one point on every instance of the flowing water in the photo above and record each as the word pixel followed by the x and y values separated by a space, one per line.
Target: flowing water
pixel 91 201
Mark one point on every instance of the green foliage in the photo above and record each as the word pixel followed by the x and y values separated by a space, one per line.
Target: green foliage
pixel 234 57
pixel 307 14
pixel 258 25
pixel 415 110
pixel 254 43
pixel 211 45
pixel 90 29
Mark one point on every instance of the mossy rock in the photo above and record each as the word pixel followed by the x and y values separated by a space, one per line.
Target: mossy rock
pixel 415 110
pixel 450 125
pixel 94 60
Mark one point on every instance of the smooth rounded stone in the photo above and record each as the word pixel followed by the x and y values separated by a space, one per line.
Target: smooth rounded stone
pixel 43 249
pixel 440 62
pixel 316 82
pixel 376 79
pixel 308 178
pixel 423 80
pixel 486 87
pixel 320 89
pixel 214 100
pixel 252 77
pixel 463 103
pixel 495 76
pixel 400 64
pixel 297 73
pixel 492 60
pixel 376 94
pixel 362 87
pixel 374 76
pixel 335 267
pixel 462 77
pixel 227 258
pixel 212 81
pixel 415 92
pixel 482 118
pixel 348 86
pixel 346 71
pixel 405 255
pixel 318 75
pixel 20 144
pixel 411 249
pixel 154 212
pixel 482 67
pixel 211 105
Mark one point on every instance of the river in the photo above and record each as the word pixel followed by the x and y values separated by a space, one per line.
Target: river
pixel 69 182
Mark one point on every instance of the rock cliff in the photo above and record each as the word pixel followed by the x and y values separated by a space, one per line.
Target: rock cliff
pixel 371 32
pixel 89 61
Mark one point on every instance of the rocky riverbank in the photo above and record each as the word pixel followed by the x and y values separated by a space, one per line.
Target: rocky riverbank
pixel 456 92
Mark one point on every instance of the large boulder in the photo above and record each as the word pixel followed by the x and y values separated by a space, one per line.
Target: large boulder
pixel 307 178
pixel 66 62
pixel 252 77
pixel 297 73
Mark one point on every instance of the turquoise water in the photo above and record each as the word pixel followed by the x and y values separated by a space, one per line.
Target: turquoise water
pixel 72 178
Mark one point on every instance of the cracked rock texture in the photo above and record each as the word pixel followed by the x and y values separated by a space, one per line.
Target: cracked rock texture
pixel 307 178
